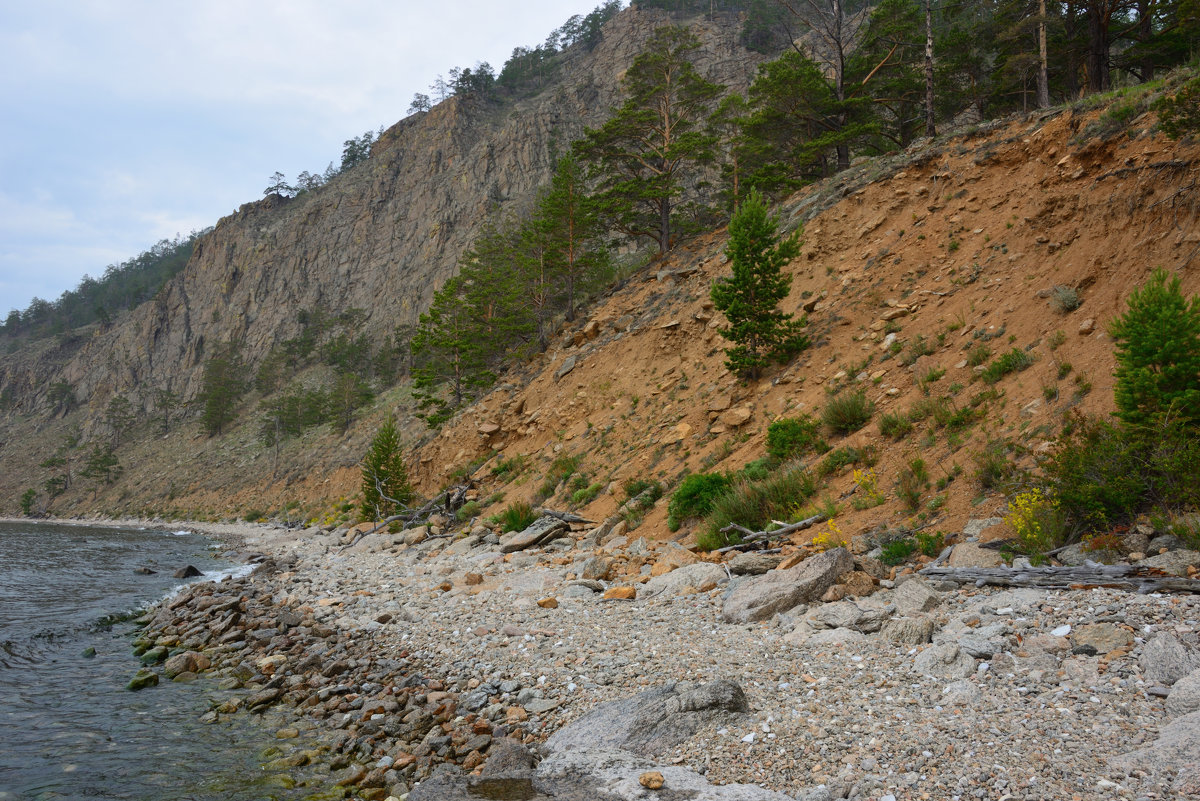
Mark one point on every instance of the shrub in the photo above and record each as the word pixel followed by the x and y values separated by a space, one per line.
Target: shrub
pixel 845 414
pixel 1064 299
pixel 931 544
pixel 27 501
pixel 467 511
pixel 695 497
pixel 916 349
pixel 896 551
pixel 1013 361
pixel 914 479
pixel 1158 353
pixel 754 504
pixel 790 437
pixel 1103 474
pixel 517 516
pixel 994 465
pixel 562 468
pixel 832 537
pixel 868 495
pixel 644 491
pixel 584 496
pixel 895 425
pixel 837 459
pixel 506 469
pixel 1179 114
pixel 978 355
pixel 1036 520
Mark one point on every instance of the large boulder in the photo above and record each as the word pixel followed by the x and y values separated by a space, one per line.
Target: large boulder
pixel 695 576
pixel 780 590
pixel 1184 697
pixel 1174 751
pixel 944 661
pixel 654 721
pixel 543 529
pixel 1166 660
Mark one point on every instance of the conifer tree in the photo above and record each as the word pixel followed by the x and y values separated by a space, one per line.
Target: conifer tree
pixel 1158 353
pixel 224 385
pixel 642 154
pixel 750 297
pixel 574 230
pixel 385 486
pixel 450 354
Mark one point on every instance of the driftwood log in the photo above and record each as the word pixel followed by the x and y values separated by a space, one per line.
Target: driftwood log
pixel 757 540
pixel 1120 577
pixel 448 501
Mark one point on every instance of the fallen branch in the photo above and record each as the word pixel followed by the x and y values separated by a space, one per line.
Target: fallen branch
pixel 751 538
pixel 1133 578
pixel 566 517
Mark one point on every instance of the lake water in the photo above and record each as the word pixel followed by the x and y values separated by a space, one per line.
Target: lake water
pixel 68 727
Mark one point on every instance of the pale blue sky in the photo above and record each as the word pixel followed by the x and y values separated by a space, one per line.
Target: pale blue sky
pixel 127 121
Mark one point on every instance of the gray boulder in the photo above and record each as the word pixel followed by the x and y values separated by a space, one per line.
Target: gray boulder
pixel 654 721
pixel 1166 660
pixel 754 564
pixel 780 590
pixel 945 661
pixel 681 578
pixel 541 530
pixel 915 595
pixel 1174 562
pixel 1184 697
pixel 909 630
pixel 1174 751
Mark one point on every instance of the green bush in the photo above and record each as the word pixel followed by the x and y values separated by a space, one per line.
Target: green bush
pixel 517 516
pixel 754 504
pixel 1179 114
pixel 843 457
pixel 845 414
pixel 1013 361
pixel 897 551
pixel 562 468
pixel 584 496
pixel 1103 474
pixel 1158 353
pixel 994 466
pixel 790 437
pixel 467 511
pixel 646 492
pixel 978 355
pixel 506 469
pixel 895 425
pixel 695 497
pixel 1065 299
pixel 931 544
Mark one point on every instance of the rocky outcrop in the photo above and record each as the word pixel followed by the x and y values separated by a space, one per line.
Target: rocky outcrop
pixel 381 237
pixel 780 590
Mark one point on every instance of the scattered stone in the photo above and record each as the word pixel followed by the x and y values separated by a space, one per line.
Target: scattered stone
pixel 548 603
pixel 623 593
pixel 472 579
pixel 144 571
pixel 187 572
pixel 142 679
pixel 651 780
pixel 596 568
pixel 909 630
pixel 543 529
pixel 1102 638
pixel 968 554
pixel 680 580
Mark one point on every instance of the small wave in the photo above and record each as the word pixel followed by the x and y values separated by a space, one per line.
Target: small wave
pixel 182 533
pixel 235 572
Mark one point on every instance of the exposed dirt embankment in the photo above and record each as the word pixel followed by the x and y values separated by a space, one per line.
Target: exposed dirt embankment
pixel 917 272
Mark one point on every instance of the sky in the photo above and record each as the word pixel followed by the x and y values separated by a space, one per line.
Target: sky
pixel 124 122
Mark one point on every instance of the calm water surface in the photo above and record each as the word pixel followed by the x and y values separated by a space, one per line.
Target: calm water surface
pixel 68 727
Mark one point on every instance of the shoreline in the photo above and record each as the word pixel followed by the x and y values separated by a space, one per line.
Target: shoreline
pixel 407 652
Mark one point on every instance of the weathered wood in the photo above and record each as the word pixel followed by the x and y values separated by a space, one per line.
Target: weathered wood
pixel 1121 577
pixel 566 517
pixel 751 539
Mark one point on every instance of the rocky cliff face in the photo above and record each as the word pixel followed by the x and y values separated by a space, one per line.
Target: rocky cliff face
pixel 381 237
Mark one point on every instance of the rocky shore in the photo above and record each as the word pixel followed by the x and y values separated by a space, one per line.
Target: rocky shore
pixel 593 663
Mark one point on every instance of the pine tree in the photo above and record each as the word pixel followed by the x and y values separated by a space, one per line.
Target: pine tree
pixel 385 486
pixel 224 384
pixel 750 298
pixel 573 229
pixel 1158 353
pixel 450 354
pixel 641 156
